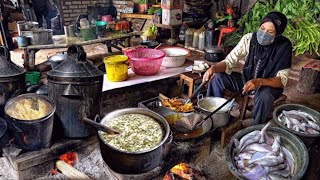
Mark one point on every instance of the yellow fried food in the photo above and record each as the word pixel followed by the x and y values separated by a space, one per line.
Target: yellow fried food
pixel 177 105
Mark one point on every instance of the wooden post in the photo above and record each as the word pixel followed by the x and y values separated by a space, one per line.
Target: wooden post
pixel 309 78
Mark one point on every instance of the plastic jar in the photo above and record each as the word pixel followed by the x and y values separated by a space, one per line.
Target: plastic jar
pixel 201 40
pixel 195 41
pixel 116 67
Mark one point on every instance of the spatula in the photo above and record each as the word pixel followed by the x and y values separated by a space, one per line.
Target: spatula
pixel 34 104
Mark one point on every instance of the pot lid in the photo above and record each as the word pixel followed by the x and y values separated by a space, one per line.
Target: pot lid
pixel 75 66
pixel 213 49
pixel 3 127
pixel 7 67
pixel 58 57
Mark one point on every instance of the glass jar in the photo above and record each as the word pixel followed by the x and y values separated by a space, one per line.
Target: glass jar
pixel 195 41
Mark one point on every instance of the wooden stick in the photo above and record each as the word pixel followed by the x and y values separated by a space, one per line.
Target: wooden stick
pixel 70 171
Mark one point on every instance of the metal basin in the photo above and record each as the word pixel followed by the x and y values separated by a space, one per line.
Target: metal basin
pixel 288 107
pixel 289 140
pixel 220 118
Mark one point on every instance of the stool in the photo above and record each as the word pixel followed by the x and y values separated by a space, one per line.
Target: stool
pixel 191 79
pixel 225 30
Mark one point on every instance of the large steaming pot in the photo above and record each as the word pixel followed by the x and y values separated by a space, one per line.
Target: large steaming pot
pixel 76 86
pixel 135 162
pixel 11 79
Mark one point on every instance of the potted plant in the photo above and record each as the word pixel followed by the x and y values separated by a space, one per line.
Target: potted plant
pixel 143 6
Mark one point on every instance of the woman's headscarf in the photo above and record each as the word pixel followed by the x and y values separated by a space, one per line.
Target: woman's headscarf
pixel 278 19
pixel 266 61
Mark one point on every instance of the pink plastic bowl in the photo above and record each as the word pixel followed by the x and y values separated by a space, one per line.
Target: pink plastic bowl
pixel 145 61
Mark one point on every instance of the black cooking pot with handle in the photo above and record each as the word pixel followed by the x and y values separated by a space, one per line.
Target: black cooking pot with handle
pixel 135 162
pixel 214 54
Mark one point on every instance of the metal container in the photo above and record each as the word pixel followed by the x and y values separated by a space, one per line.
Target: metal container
pixel 288 107
pixel 135 162
pixel 288 140
pixel 41 36
pixel 32 134
pixel 209 104
pixel 213 54
pixel 26 26
pixel 22 41
pixel 57 59
pixel 12 79
pixel 76 86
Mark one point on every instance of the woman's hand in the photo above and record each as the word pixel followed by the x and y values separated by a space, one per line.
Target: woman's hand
pixel 251 85
pixel 209 74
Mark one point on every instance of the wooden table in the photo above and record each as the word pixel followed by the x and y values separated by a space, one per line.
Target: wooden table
pixel 111 39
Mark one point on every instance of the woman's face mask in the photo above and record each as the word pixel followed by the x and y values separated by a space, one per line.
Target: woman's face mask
pixel 264 38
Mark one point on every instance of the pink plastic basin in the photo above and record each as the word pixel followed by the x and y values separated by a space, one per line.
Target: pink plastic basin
pixel 145 61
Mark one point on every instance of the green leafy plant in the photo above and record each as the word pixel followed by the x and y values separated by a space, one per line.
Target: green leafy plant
pixel 142 2
pixel 302 28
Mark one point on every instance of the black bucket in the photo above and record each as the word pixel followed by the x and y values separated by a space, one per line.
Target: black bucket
pixel 32 134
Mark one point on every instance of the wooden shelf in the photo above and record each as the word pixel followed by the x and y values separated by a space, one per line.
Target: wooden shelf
pixel 167 26
pixel 135 15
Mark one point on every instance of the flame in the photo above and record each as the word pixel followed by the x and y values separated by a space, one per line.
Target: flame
pixel 181 170
pixel 69 158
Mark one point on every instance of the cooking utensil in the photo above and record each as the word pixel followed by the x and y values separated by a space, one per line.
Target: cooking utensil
pixel 32 134
pixel 158 46
pixel 150 44
pixel 213 54
pixel 100 127
pixel 193 121
pixel 34 104
pixel 196 91
pixel 135 162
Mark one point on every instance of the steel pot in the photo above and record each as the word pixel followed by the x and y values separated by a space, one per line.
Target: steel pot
pixel 135 162
pixel 209 104
pixel 288 140
pixel 32 134
pixel 213 54
pixel 75 86
pixel 12 79
pixel 26 26
pixel 41 36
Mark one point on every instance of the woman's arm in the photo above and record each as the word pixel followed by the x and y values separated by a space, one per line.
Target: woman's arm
pixel 253 84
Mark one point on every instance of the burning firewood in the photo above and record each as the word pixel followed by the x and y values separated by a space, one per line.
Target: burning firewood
pixel 182 171
pixel 70 172
pixel 64 165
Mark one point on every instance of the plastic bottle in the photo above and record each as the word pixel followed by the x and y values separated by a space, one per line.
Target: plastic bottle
pixel 201 40
pixel 182 32
pixel 189 37
pixel 195 41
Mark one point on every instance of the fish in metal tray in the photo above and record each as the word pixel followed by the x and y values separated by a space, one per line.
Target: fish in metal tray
pixel 258 156
pixel 300 121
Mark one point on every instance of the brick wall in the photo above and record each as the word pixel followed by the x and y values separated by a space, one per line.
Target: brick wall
pixel 70 9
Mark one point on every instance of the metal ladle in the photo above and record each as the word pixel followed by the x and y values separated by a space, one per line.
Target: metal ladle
pixel 100 126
